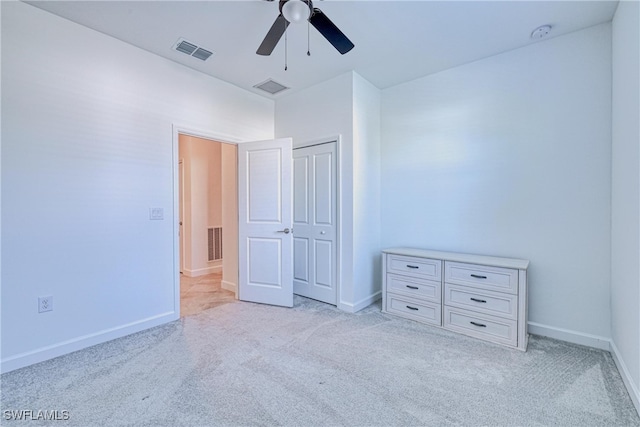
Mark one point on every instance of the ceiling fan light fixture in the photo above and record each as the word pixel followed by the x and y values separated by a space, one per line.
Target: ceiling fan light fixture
pixel 296 11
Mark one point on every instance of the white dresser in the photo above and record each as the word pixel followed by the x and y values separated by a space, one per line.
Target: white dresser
pixel 481 296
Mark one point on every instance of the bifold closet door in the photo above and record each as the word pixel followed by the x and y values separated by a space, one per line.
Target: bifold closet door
pixel 314 222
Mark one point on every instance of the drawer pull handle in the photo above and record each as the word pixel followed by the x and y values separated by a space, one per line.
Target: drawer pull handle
pixel 412 287
pixel 478 324
pixel 477 276
pixel 477 300
pixel 412 308
pixel 412 266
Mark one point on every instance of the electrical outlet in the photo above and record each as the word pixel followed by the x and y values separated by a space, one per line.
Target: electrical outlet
pixel 45 304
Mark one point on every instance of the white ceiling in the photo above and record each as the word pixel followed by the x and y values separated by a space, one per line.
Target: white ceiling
pixel 395 41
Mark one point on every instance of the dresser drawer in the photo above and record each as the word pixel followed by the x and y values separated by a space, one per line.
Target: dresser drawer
pixel 417 267
pixel 413 287
pixel 478 276
pixel 490 328
pixel 482 301
pixel 422 311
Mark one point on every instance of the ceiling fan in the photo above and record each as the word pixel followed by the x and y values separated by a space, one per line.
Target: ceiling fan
pixel 299 11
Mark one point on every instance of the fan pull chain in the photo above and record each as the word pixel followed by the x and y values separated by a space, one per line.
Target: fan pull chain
pixel 308 38
pixel 286 48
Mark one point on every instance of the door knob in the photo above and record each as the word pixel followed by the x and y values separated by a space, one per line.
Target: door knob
pixel 285 231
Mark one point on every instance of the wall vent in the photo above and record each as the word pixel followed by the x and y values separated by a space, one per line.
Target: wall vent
pixel 271 87
pixel 214 240
pixel 192 49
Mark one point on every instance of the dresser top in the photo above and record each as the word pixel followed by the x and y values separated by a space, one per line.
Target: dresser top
pixel 520 264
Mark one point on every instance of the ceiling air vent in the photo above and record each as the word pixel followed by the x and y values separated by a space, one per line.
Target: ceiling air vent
pixel 192 49
pixel 201 53
pixel 271 87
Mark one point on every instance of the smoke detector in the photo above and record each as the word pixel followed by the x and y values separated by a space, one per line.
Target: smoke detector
pixel 541 32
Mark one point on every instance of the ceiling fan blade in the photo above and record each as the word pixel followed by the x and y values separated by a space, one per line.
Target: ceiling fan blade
pixel 330 32
pixel 273 36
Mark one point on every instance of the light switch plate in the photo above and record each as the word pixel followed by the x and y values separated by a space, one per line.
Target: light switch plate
pixel 156 213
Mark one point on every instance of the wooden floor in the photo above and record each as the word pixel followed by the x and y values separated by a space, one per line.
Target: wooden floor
pixel 201 293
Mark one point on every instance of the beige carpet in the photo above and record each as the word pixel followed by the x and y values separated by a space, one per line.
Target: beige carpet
pixel 250 364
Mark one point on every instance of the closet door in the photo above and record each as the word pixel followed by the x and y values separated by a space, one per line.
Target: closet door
pixel 314 222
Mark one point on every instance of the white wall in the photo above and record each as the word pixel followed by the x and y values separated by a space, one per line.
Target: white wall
pixel 326 110
pixel 510 156
pixel 86 151
pixel 215 184
pixel 625 196
pixel 367 276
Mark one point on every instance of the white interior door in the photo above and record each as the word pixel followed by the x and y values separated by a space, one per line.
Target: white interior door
pixel 314 222
pixel 264 208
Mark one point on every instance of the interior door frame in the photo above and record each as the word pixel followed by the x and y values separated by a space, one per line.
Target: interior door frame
pixel 181 210
pixel 326 140
pixel 183 129
pixel 177 130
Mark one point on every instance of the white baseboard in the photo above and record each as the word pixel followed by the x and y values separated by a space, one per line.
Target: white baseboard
pixel 202 271
pixel 229 286
pixel 49 352
pixel 359 305
pixel 570 336
pixel 632 388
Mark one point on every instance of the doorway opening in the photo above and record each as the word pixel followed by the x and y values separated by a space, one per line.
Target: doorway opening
pixel 257 225
pixel 208 225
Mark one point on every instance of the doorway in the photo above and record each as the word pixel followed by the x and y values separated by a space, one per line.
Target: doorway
pixel 208 243
pixel 255 194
